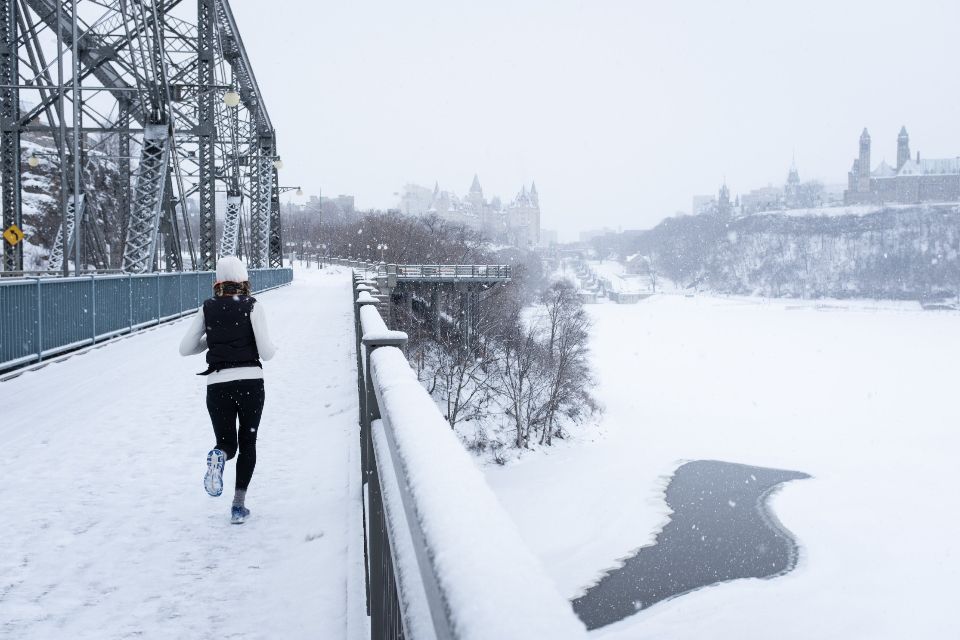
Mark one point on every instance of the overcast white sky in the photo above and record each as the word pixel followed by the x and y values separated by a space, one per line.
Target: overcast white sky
pixel 620 110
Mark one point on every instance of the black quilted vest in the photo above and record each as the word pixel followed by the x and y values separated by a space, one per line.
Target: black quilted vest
pixel 230 339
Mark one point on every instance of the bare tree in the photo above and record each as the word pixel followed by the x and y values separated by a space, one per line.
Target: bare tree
pixel 567 368
pixel 519 378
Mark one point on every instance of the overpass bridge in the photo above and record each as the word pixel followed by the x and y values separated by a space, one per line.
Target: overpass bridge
pixel 369 518
pixel 459 287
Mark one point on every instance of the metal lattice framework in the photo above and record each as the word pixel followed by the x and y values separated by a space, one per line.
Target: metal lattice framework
pixel 66 230
pixel 144 86
pixel 261 189
pixel 229 241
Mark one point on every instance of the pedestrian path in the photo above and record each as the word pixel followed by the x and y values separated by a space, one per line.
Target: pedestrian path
pixel 106 529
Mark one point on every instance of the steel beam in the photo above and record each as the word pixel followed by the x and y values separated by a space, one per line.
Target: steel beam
pixel 67 234
pixel 261 190
pixel 172 256
pixel 141 239
pixel 124 196
pixel 276 234
pixel 206 129
pixel 10 131
pixel 229 242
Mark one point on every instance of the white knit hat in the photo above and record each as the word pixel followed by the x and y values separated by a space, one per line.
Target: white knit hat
pixel 230 269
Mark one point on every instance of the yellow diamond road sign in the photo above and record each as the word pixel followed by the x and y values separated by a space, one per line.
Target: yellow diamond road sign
pixel 13 234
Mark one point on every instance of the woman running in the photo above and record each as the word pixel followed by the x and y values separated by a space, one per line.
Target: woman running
pixel 232 328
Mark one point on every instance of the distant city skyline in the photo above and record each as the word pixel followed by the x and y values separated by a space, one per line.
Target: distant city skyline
pixel 620 111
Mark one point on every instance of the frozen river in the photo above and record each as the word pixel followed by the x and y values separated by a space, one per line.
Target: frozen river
pixel 860 396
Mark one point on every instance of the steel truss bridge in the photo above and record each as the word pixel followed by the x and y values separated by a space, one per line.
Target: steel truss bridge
pixel 162 90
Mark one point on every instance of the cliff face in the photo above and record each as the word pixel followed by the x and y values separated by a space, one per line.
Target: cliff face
pixel 903 252
pixel 41 198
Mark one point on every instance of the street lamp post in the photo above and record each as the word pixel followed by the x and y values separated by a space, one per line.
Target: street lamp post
pixel 382 247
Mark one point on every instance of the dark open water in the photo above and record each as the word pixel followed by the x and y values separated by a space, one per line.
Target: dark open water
pixel 721 529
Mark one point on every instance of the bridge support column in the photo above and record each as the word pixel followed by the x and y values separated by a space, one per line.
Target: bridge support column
pixel 469 308
pixel 433 314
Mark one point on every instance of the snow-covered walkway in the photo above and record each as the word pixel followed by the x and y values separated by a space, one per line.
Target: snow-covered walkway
pixel 106 529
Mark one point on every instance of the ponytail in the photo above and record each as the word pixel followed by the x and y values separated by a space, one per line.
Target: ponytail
pixel 231 288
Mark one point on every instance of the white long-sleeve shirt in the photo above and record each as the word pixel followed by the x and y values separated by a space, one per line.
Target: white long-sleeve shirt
pixel 195 341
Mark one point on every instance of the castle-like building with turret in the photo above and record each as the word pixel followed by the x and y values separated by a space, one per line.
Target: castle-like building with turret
pixel 517 223
pixel 912 180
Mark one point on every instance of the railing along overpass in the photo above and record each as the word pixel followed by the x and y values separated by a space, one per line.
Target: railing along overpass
pixel 429 273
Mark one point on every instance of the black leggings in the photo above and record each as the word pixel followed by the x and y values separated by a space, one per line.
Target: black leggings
pixel 225 402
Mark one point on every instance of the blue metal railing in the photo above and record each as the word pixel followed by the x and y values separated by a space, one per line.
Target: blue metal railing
pixel 41 317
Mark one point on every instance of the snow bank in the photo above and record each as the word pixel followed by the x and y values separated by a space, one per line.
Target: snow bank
pixel 493 586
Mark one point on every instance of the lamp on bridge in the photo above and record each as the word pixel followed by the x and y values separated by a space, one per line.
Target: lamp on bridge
pixel 299 191
pixel 33 161
pixel 382 247
pixel 231 99
pixel 278 163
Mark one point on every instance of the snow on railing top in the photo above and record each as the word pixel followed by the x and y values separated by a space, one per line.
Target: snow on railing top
pixel 364 297
pixel 492 585
pixel 373 328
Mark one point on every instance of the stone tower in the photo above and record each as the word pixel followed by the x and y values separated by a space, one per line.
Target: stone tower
pixel 475 195
pixel 475 187
pixel 723 200
pixel 863 184
pixel 791 190
pixel 903 148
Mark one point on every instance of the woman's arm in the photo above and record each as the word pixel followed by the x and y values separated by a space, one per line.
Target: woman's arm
pixel 195 340
pixel 258 319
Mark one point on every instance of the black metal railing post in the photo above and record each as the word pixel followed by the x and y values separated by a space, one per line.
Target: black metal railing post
pixel 386 620
pixel 367 466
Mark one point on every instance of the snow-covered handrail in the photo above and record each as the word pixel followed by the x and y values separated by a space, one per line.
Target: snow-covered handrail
pixel 374 329
pixel 444 559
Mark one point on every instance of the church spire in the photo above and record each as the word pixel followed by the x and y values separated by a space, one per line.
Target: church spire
pixel 863 182
pixel 903 148
pixel 534 196
pixel 475 187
